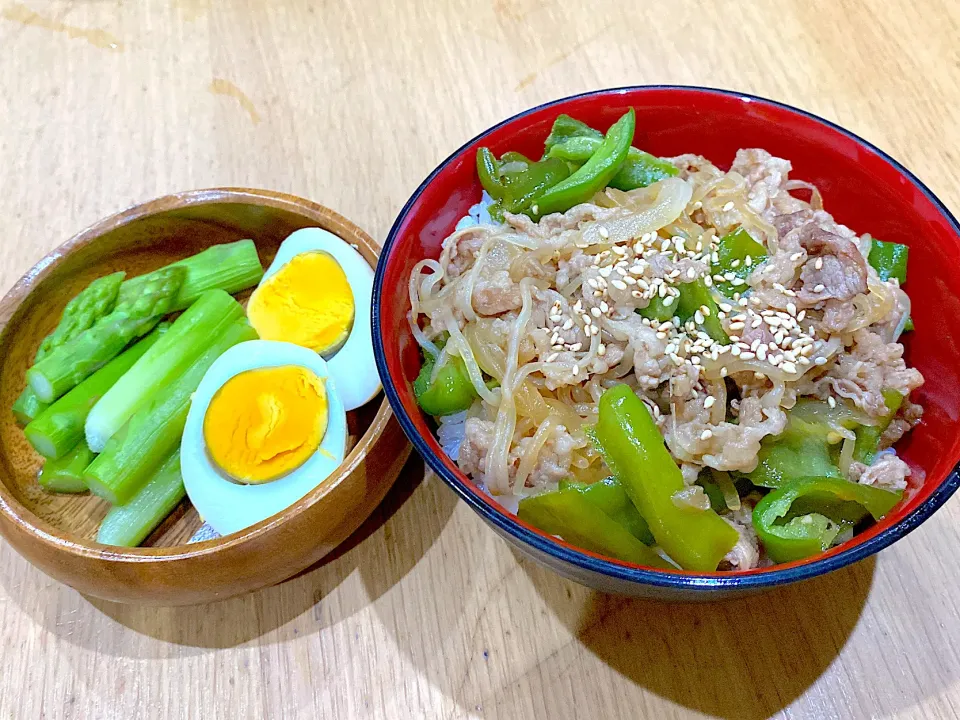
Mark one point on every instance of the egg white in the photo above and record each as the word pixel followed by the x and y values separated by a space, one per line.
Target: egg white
pixel 227 506
pixel 353 367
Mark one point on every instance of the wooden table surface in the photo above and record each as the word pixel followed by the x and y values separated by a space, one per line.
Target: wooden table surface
pixel 104 103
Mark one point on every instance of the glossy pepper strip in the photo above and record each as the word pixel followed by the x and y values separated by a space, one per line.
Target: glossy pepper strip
pixel 639 170
pixel 566 128
pixel 889 259
pixel 806 535
pixel 733 250
pixel 633 448
pixel 596 174
pixel 580 522
pixel 803 448
pixel 448 391
pixel 608 495
pixel 694 297
pixel 515 181
pixel 868 436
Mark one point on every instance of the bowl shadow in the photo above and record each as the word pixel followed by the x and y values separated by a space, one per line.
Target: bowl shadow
pixel 746 658
pixel 293 608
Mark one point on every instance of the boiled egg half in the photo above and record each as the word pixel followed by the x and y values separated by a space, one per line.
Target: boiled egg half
pixel 317 294
pixel 266 426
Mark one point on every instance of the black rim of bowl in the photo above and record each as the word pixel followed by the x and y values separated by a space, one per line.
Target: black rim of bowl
pixel 581 560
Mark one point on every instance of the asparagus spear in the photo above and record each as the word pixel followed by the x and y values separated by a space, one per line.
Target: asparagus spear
pixel 61 426
pixel 155 431
pixel 28 407
pixel 72 363
pixel 66 474
pixel 231 267
pixel 95 301
pixel 83 311
pixel 129 525
pixel 180 346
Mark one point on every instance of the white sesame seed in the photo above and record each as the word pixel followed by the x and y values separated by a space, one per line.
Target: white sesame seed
pixel 552 356
pixel 831 402
pixel 698 317
pixel 718 278
pixel 536 209
pixel 706 435
pixel 789 367
pixel 760 376
pixel 796 256
pixel 762 352
pixel 819 263
pixel 594 330
pixel 619 250
pixel 636 293
pixel 820 361
pixel 568 324
pixel 596 312
pixel 801 315
pixel 709 402
pixel 691 273
pixel 557 347
pixel 628 280
pixel 728 207
pixel 668 301
pixel 602 231
pixel 576 347
pixel 791 308
pixel 605 271
pixel 819 287
pixel 602 350
pixel 576 370
pixel 619 285
pixel 747 355
pixel 735 264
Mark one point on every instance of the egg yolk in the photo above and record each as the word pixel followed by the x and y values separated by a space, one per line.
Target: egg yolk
pixel 264 423
pixel 308 302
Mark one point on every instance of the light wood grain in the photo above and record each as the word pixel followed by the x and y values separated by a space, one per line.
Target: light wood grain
pixel 352 104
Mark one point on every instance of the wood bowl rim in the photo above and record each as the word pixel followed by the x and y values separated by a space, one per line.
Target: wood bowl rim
pixel 46 534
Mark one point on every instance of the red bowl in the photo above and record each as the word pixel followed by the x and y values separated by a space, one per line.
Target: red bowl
pixel 862 186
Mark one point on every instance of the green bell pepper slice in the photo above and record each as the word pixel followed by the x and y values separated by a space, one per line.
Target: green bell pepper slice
pixel 608 495
pixel 693 297
pixel 657 309
pixel 575 518
pixel 803 449
pixel 639 170
pixel 566 128
pixel 633 448
pixel 801 536
pixel 868 436
pixel 889 259
pixel 732 252
pixel 449 392
pixel 595 174
pixel 515 182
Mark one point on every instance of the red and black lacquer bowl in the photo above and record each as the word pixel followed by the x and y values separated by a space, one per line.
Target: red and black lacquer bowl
pixel 862 186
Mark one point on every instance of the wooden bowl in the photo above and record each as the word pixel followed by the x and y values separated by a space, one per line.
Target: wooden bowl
pixel 55 532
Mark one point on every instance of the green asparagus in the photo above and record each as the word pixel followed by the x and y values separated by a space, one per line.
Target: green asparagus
pixel 66 474
pixel 72 363
pixel 154 432
pixel 179 347
pixel 28 407
pixel 83 311
pixel 231 267
pixel 95 301
pixel 61 426
pixel 129 525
